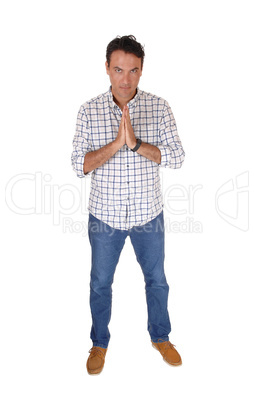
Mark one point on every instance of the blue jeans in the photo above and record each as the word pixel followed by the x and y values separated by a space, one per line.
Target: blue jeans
pixel 107 244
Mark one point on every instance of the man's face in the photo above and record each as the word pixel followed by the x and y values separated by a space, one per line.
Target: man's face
pixel 124 72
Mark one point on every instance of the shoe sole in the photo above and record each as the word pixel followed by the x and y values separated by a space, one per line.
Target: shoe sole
pixel 170 364
pixel 94 373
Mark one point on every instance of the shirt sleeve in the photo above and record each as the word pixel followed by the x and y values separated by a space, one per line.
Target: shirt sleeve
pixel 81 144
pixel 172 153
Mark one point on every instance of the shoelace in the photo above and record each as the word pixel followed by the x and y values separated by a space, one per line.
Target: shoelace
pixel 95 351
pixel 169 345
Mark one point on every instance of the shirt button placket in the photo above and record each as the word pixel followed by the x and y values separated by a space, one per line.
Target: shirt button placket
pixel 128 190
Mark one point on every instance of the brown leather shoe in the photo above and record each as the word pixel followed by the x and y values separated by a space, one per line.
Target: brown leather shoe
pixel 96 360
pixel 168 352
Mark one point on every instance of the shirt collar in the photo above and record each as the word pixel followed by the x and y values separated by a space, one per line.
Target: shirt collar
pixel 131 105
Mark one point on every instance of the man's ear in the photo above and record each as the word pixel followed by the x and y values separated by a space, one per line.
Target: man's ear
pixel 107 67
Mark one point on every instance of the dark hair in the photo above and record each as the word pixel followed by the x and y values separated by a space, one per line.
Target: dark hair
pixel 128 44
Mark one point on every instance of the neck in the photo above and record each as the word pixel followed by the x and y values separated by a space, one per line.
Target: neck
pixel 122 102
pixel 119 103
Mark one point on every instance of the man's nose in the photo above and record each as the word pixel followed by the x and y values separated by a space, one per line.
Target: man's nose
pixel 125 79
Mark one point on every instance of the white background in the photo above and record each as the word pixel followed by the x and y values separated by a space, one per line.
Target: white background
pixel 199 56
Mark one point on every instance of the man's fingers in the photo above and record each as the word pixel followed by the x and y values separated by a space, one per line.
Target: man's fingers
pixel 123 122
pixel 125 111
pixel 126 114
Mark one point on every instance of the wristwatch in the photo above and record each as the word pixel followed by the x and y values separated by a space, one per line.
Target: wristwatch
pixel 139 142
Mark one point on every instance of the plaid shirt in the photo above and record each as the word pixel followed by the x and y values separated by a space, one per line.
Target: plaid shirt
pixel 126 191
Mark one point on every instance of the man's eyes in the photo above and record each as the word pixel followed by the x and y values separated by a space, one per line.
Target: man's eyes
pixel 118 70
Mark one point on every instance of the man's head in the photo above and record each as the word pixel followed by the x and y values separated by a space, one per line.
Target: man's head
pixel 124 66
pixel 128 44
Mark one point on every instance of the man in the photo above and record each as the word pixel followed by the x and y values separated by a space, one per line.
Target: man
pixel 122 139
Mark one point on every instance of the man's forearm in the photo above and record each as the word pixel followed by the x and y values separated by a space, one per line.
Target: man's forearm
pixel 97 158
pixel 150 152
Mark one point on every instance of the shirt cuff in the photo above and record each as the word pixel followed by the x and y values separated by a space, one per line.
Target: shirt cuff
pixel 165 156
pixel 79 167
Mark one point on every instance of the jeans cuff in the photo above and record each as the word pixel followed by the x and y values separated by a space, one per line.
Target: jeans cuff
pixel 160 340
pixel 100 345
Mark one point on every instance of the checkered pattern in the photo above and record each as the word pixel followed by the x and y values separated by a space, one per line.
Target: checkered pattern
pixel 126 191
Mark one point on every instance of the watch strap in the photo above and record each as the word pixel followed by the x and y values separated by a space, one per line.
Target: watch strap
pixel 139 142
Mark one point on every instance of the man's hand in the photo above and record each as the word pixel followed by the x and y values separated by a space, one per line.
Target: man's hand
pixel 129 133
pixel 121 136
pixel 125 132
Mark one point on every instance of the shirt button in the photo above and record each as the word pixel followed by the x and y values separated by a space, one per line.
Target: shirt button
pixel 127 165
